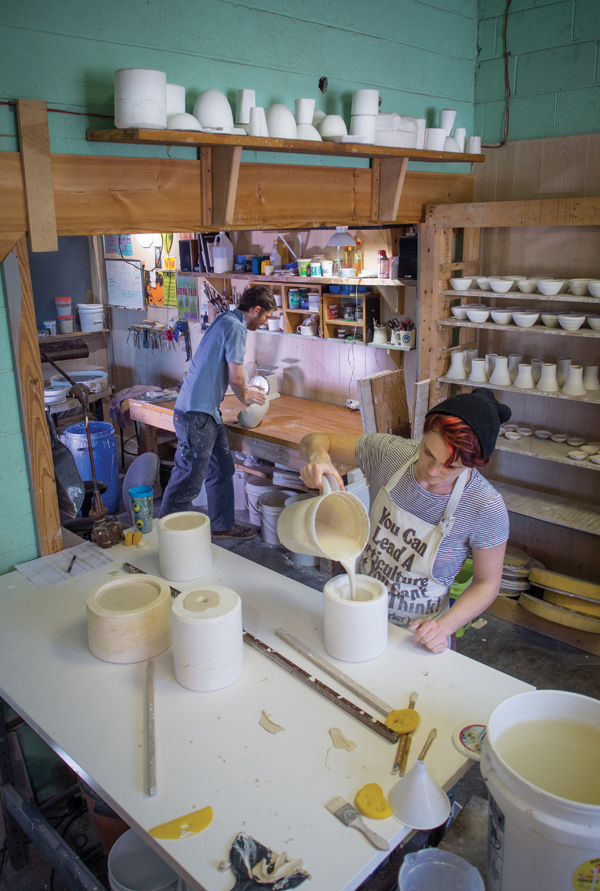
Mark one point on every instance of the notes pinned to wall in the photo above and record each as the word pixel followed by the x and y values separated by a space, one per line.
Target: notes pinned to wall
pixel 124 281
pixel 187 296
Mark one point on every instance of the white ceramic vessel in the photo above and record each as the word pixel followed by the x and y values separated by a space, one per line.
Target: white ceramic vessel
pixel 460 134
pixel 525 319
pixel 490 362
pixel 550 319
pixel 526 286
pixel 183 122
pixel 536 369
pixel 281 122
pixel 474 145
pixel 501 316
pixel 469 356
pixel 500 375
pixel 483 282
pixel 547 382
pixel 457 370
pixel 447 118
pixel 524 379
pixel 578 286
pixel 140 98
pixel 574 386
pixel 461 284
pixel 459 312
pixel 590 377
pixel 542 434
pixel 500 285
pixel 365 102
pixel 594 287
pixel 513 364
pixel 562 369
pixel 364 125
pixel 355 630
pixel 307 131
pixel 571 322
pixel 213 111
pixel 550 288
pixel 258 122
pixel 175 100
pixel 304 111
pixel 246 99
pixel 435 139
pixel 515 279
pixel 577 456
pixel 593 321
pixel 332 125
pixel 478 315
pixel 478 374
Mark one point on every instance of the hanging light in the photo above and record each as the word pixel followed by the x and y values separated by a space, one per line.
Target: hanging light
pixel 341 238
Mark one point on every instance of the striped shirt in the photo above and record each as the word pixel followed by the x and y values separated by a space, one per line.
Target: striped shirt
pixel 481 518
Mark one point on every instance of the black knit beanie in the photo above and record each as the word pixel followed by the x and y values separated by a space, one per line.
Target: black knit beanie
pixel 481 411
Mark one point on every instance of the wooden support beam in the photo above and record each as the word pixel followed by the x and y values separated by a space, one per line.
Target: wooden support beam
pixel 225 174
pixel 392 172
pixel 37 175
pixel 375 187
pixel 535 212
pixel 206 197
pixel 7 242
pixel 31 388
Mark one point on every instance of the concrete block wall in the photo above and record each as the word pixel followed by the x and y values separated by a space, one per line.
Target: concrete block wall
pixel 554 68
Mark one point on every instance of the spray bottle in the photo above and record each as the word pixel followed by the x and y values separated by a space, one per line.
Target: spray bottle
pixel 383 265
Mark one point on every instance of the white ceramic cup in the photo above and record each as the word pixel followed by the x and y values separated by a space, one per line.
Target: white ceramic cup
pixel 258 122
pixel 269 270
pixel 435 139
pixel 246 100
pixel 274 324
pixel 304 109
pixel 365 102
pixel 364 125
pixel 460 134
pixel 447 118
pixel 474 145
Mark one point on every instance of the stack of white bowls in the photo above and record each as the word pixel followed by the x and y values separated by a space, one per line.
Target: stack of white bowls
pixel 365 108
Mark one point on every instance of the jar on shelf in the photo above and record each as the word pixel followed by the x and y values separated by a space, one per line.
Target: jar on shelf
pixel 294 298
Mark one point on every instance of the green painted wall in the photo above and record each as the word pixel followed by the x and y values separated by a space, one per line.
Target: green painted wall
pixel 17 534
pixel 554 68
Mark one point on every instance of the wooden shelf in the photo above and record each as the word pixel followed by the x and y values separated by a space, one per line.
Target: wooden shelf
pixel 534 329
pixel 591 396
pixel 544 449
pixel 518 295
pixel 391 346
pixel 197 139
pixel 342 322
pixel 550 508
pixel 306 280
pixel 55 337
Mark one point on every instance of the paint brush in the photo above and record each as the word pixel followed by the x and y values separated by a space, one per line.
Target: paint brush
pixel 349 816
pixel 427 746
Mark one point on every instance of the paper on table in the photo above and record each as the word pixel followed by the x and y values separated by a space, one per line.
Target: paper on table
pixel 45 572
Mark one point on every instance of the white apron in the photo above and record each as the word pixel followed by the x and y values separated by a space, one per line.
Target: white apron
pixel 402 550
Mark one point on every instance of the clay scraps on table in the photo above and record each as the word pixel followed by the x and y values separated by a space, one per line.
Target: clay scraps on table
pixel 256 867
pixel 271 726
pixel 340 741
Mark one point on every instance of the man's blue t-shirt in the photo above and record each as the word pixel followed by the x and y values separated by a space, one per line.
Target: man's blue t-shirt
pixel 207 380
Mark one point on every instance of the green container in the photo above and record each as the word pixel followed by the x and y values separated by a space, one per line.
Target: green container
pixel 460 584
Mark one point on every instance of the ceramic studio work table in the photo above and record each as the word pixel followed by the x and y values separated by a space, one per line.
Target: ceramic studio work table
pixel 210 748
pixel 277 438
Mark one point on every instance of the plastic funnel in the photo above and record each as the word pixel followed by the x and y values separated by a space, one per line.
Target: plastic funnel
pixel 430 869
pixel 417 801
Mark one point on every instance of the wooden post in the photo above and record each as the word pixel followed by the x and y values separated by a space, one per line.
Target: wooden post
pixel 225 174
pixel 436 249
pixel 31 390
pixel 37 175
pixel 206 210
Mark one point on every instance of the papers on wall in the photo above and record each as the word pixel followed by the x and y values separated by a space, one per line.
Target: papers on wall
pixel 187 296
pixel 118 244
pixel 124 280
pixel 164 290
pixel 45 572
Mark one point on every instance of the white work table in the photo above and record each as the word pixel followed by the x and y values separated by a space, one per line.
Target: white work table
pixel 210 747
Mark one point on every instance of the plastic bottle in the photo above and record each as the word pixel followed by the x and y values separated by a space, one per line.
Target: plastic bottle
pixel 358 262
pixel 275 259
pixel 383 265
pixel 222 254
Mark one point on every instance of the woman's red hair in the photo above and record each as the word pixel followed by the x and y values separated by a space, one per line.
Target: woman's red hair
pixel 460 439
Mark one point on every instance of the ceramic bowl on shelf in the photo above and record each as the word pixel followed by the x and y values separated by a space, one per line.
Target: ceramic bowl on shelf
pixel 478 315
pixel 594 287
pixel 459 312
pixel 183 121
pixel 515 279
pixel 524 431
pixel 549 288
pixel 577 456
pixel 501 316
pixel 550 319
pixel 525 319
pixel 542 434
pixel 511 427
pixel 461 284
pixel 578 286
pixel 559 437
pixel 595 459
pixel 500 285
pixel 483 283
pixel 589 449
pixel 571 322
pixel 527 286
pixel 594 321
pixel 512 435
pixel 575 441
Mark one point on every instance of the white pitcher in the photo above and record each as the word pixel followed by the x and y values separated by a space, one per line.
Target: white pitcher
pixel 380 334
pixel 457 372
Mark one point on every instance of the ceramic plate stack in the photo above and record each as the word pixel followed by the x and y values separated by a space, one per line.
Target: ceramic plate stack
pixel 567 600
pixel 515 572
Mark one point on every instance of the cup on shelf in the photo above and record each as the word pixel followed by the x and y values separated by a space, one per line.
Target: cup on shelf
pixel 514 360
pixel 590 377
pixel 457 371
pixel 490 361
pixel 474 145
pixel 562 369
pixel 65 324
pixel 447 118
pixel 478 374
pixel 500 375
pixel 574 386
pixel 547 382
pixel 435 139
pixel 524 378
pixel 269 270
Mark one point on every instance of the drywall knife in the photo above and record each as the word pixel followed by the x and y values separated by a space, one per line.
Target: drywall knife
pixel 129 567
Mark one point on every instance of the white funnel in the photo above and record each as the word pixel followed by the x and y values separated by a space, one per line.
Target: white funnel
pixel 417 801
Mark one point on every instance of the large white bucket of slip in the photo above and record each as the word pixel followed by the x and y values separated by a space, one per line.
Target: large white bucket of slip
pixel 306 527
pixel 355 630
pixel 255 487
pixel 128 619
pixel 270 506
pixel 206 626
pixel 539 839
pixel 184 546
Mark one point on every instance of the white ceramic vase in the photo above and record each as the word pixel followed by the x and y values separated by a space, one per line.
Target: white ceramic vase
pixel 500 375
pixel 514 360
pixel 574 386
pixel 457 371
pixel 590 377
pixel 469 356
pixel 258 122
pixel 562 370
pixel 536 369
pixel 524 378
pixel 490 361
pixel 478 375
pixel 547 382
pixel 447 118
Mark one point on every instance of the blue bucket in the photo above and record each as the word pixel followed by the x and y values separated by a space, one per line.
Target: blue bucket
pixel 104 445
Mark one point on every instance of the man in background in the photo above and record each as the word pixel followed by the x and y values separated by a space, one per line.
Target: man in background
pixel 203 454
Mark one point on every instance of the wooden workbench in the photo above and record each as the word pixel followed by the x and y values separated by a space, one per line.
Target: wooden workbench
pixel 278 436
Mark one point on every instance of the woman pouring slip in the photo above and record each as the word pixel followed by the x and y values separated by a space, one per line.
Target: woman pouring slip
pixel 429 507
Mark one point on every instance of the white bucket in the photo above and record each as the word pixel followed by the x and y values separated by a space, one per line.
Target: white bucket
pixel 301 559
pixel 537 839
pixel 355 630
pixel 430 869
pixel 255 487
pixel 239 489
pixel 135 866
pixel 270 506
pixel 91 316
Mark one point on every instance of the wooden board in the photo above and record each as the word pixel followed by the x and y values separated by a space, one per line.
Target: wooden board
pixel 37 174
pixel 103 196
pixel 515 329
pixel 540 212
pixel 510 611
pixel 383 403
pixel 7 242
pixel 550 508
pixel 31 389
pixel 420 407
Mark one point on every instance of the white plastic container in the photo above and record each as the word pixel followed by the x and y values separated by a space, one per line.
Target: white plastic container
pixel 270 506
pixel 91 316
pixel 65 324
pixel 208 643
pixel 63 306
pixel 255 487
pixel 540 840
pixel 355 630
pixel 431 869
pixel 184 546
pixel 222 254
pixel 239 489
pixel 135 866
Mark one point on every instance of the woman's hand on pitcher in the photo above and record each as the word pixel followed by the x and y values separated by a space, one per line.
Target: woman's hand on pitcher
pixel 312 474
pixel 430 633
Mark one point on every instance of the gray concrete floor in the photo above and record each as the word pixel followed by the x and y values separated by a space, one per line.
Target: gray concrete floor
pixel 539 661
